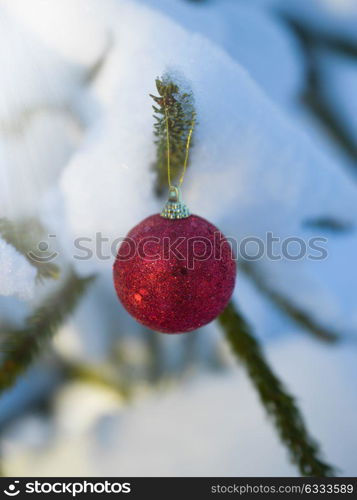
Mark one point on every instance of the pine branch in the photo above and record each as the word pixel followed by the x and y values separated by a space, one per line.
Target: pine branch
pixel 177 107
pixel 279 404
pixel 95 69
pixel 98 376
pixel 329 224
pixel 24 236
pixel 312 97
pixel 322 39
pixel 299 316
pixel 20 347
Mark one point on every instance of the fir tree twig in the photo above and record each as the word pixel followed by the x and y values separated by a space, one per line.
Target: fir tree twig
pixel 329 224
pixel 299 316
pixel 312 42
pixel 279 404
pixel 18 348
pixel 98 376
pixel 174 109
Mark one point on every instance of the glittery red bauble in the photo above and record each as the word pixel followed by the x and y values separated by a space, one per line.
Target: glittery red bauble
pixel 174 275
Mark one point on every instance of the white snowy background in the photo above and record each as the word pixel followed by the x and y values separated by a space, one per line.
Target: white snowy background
pixel 76 146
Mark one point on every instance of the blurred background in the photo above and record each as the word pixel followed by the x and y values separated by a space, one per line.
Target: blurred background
pixel 91 392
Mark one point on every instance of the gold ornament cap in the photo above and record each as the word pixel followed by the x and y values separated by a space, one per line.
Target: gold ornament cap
pixel 174 207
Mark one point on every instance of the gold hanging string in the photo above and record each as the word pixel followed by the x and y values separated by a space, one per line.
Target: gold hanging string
pixel 187 148
pixel 188 141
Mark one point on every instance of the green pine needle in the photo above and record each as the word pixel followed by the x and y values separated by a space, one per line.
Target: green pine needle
pixel 279 404
pixel 178 106
pixel 18 348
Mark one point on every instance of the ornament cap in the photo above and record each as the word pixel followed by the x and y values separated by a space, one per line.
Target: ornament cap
pixel 174 207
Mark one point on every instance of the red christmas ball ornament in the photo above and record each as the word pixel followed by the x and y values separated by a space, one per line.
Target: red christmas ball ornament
pixel 174 272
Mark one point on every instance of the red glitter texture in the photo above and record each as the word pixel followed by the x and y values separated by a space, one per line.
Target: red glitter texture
pixel 179 288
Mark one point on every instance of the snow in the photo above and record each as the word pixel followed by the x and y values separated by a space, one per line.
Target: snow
pixel 236 27
pixel 33 75
pixel 57 27
pixel 17 276
pixel 76 152
pixel 33 152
